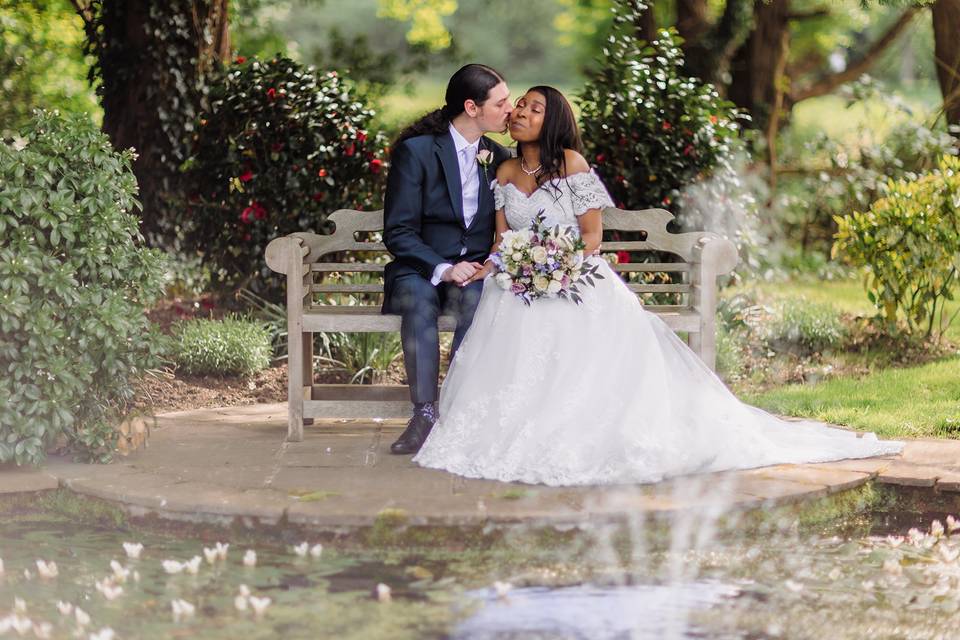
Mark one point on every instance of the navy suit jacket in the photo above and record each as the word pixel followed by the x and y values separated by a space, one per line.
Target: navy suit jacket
pixel 423 223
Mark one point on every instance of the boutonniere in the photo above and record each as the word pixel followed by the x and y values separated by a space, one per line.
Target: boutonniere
pixel 484 158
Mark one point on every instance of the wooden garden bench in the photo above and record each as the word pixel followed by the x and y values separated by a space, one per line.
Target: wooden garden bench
pixel 300 256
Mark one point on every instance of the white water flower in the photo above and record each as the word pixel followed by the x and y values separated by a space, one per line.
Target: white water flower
pixel 104 634
pixel 112 592
pixel 222 549
pixel 240 603
pixel 120 572
pixel 915 535
pixel 796 587
pixel 182 609
pixel 65 608
pixel 192 566
pixel 316 550
pixel 211 555
pixel 894 541
pixel 19 605
pixel 250 558
pixel 302 549
pixel 132 549
pixel 172 566
pixel 244 591
pixel 83 618
pixel 948 553
pixel 952 524
pixel 936 528
pixel 21 624
pixel 502 588
pixel 892 566
pixel 27 575
pixel 383 593
pixel 259 605
pixel 43 630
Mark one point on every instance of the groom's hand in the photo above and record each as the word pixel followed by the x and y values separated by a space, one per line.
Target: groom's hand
pixel 461 272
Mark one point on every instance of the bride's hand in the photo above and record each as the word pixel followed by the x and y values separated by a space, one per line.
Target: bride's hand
pixel 480 274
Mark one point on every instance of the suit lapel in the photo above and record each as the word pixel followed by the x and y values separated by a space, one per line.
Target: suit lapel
pixel 447 153
pixel 485 201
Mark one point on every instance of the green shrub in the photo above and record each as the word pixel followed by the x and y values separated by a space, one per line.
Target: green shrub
pixel 730 358
pixel 74 284
pixel 805 325
pixel 280 148
pixel 909 245
pixel 650 130
pixel 232 346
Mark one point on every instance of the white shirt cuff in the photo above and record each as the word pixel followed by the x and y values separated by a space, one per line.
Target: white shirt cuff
pixel 438 273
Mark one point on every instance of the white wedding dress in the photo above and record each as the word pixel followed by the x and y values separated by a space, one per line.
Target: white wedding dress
pixel 599 393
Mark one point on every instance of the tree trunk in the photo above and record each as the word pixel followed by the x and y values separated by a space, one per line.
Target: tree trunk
pixel 692 21
pixel 946 51
pixel 647 29
pixel 754 66
pixel 151 63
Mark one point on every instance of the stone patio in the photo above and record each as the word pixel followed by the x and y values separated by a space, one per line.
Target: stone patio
pixel 219 464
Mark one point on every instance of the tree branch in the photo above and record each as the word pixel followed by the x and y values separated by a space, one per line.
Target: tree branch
pixel 828 83
pixel 822 12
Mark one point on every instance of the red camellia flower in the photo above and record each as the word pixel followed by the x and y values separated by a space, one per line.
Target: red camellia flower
pixel 207 304
pixel 240 60
pixel 667 126
pixel 361 136
pixel 247 237
pixel 622 141
pixel 318 196
pixel 667 200
pixel 276 146
pixel 688 150
pixel 623 257
pixel 349 151
pixel 246 176
pixel 713 119
pixel 600 158
pixel 271 93
pixel 375 165
pixel 258 211
pixel 322 173
pixel 246 216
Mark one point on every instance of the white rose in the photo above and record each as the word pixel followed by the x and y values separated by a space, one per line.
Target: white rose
pixel 558 275
pixel 539 255
pixel 554 287
pixel 517 256
pixel 574 259
pixel 540 283
pixel 503 279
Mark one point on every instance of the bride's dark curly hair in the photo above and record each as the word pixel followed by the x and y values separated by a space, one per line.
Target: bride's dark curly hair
pixel 559 132
pixel 470 82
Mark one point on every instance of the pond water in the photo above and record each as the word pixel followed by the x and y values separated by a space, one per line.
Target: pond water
pixel 872 578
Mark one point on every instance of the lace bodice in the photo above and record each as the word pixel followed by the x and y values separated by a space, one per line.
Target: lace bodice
pixel 561 200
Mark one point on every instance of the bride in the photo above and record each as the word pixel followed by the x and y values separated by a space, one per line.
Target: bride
pixel 598 393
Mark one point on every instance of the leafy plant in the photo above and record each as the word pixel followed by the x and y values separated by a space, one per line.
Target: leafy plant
pixel 908 243
pixel 809 326
pixel 231 346
pixel 75 281
pixel 280 148
pixel 648 128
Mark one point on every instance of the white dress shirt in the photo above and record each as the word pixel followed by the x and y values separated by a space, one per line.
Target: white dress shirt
pixel 469 187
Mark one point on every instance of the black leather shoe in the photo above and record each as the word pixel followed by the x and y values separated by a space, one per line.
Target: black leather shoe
pixel 413 436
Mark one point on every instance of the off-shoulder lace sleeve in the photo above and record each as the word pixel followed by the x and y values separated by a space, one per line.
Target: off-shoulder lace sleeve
pixel 498 199
pixel 587 192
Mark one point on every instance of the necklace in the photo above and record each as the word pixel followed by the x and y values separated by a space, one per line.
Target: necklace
pixel 529 172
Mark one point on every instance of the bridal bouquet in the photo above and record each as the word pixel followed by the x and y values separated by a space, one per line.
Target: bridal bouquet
pixel 543 262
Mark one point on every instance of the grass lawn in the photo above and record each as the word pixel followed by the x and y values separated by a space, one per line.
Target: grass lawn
pixel 919 401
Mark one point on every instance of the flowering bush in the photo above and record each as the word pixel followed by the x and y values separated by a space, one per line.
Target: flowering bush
pixel 543 262
pixel 648 129
pixel 75 280
pixel 280 147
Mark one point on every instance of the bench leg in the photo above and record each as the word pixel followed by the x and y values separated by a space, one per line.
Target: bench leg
pixel 295 385
pixel 307 370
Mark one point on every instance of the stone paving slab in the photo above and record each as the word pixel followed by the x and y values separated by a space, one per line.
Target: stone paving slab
pixel 233 462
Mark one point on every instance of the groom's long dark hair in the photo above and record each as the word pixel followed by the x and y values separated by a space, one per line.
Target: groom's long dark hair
pixel 558 132
pixel 470 82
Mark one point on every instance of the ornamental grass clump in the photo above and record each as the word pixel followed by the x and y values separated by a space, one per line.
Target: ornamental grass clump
pixel 75 281
pixel 231 346
pixel 908 245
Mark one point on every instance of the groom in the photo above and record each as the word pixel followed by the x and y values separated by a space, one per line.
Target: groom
pixel 439 225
